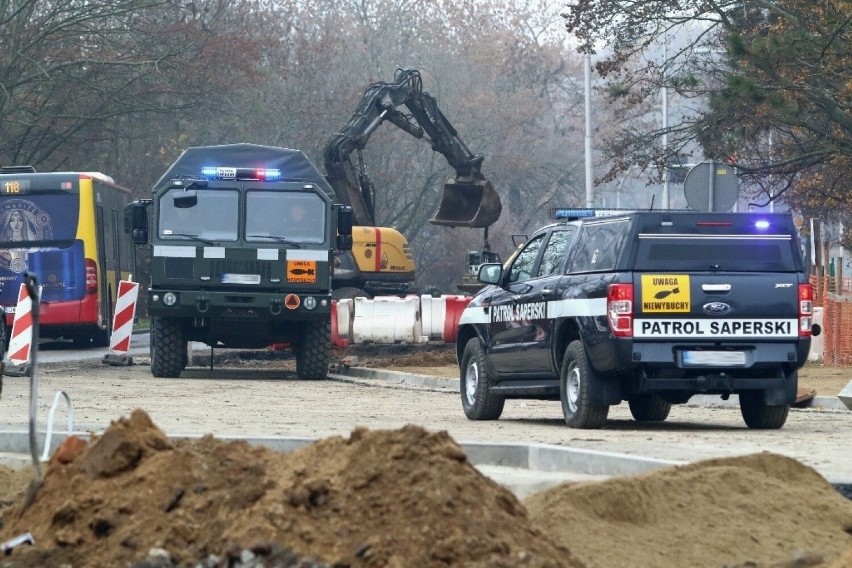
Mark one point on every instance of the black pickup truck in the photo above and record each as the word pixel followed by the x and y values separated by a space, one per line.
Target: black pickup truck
pixel 647 307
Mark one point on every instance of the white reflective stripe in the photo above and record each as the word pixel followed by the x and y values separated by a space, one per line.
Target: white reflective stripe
pixel 267 254
pixel 576 307
pixel 555 309
pixel 173 251
pixel 475 314
pixel 214 252
pixel 307 254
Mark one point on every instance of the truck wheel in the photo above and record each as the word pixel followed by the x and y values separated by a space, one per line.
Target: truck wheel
pixel 649 408
pixel 313 353
pixel 759 415
pixel 168 348
pixel 575 388
pixel 478 402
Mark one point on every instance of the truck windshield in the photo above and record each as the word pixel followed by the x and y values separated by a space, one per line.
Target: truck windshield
pixel 215 217
pixel 298 217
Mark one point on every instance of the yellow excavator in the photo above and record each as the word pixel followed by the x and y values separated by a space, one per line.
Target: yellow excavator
pixel 380 262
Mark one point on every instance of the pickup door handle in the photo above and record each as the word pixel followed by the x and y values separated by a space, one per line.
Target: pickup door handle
pixel 546 293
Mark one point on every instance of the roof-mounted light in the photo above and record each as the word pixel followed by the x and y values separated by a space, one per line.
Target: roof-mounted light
pixel 761 224
pixel 221 172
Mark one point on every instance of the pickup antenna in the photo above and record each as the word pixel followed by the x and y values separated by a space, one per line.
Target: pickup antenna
pixel 653 195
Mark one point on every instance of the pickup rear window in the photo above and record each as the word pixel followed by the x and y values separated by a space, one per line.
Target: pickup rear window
pixel 734 253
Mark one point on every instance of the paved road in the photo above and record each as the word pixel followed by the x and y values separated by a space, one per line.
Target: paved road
pixel 260 399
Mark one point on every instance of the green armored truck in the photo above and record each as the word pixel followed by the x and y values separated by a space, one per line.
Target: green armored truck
pixel 243 238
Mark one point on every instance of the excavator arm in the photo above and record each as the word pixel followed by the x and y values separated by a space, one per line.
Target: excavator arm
pixel 468 200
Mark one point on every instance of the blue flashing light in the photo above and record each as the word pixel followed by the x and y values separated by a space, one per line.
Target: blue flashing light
pixel 761 224
pixel 269 174
pixel 231 173
pixel 572 213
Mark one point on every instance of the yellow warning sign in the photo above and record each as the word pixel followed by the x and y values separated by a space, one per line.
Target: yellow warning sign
pixel 304 271
pixel 665 293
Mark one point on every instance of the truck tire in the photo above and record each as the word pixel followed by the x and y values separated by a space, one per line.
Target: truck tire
pixel 313 353
pixel 649 408
pixel 759 415
pixel 478 402
pixel 168 348
pixel 575 390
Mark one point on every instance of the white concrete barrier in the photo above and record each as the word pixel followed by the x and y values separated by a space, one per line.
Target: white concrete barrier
pixel 387 319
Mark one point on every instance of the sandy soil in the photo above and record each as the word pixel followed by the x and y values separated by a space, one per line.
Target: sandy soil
pixel 405 497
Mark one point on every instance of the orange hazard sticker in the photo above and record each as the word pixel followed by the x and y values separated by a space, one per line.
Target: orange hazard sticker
pixel 304 271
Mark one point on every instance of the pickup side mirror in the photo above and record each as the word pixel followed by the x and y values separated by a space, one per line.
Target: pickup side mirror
pixel 136 221
pixel 490 273
pixel 344 228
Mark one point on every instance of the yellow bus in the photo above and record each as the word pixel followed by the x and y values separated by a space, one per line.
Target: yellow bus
pixel 66 228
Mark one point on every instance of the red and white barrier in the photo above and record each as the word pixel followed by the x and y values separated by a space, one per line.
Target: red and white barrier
pixel 455 307
pixel 441 316
pixel 20 342
pixel 122 322
pixel 341 323
pixel 387 319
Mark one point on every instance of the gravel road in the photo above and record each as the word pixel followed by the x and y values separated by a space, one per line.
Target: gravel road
pixel 264 400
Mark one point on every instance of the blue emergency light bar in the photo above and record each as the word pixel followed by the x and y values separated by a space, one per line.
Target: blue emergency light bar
pixel 221 172
pixel 581 212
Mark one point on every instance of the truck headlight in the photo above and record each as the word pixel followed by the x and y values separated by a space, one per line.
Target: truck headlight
pixel 310 302
pixel 170 298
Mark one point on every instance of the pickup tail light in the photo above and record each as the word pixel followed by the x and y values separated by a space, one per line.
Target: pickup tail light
pixel 806 309
pixel 91 277
pixel 619 309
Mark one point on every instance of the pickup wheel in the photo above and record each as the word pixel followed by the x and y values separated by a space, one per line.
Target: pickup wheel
pixel 168 348
pixel 313 353
pixel 649 408
pixel 575 387
pixel 478 402
pixel 759 415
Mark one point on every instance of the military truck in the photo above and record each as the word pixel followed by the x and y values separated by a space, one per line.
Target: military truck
pixel 242 239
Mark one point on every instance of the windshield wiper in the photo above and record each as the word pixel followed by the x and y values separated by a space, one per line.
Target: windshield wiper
pixel 281 240
pixel 194 238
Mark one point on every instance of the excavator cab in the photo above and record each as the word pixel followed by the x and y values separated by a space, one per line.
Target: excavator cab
pixel 468 203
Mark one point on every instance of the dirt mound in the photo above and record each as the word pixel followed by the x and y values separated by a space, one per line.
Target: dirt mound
pixel 379 498
pixel 756 510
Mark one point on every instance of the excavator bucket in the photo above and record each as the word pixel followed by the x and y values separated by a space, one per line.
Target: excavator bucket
pixel 468 204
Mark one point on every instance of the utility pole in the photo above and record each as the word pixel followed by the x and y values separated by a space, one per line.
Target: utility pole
pixel 590 197
pixel 666 200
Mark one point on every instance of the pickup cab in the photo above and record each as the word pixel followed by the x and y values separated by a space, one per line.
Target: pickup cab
pixel 647 307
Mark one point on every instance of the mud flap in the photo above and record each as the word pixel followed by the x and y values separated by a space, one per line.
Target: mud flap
pixel 468 204
pixel 784 395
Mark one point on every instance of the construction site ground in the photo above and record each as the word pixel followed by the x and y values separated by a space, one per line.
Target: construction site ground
pixel 389 484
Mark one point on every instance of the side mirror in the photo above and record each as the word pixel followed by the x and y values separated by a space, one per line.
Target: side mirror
pixel 344 228
pixel 490 273
pixel 136 221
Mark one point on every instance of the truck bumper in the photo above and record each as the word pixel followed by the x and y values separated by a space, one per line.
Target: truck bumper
pixel 260 306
